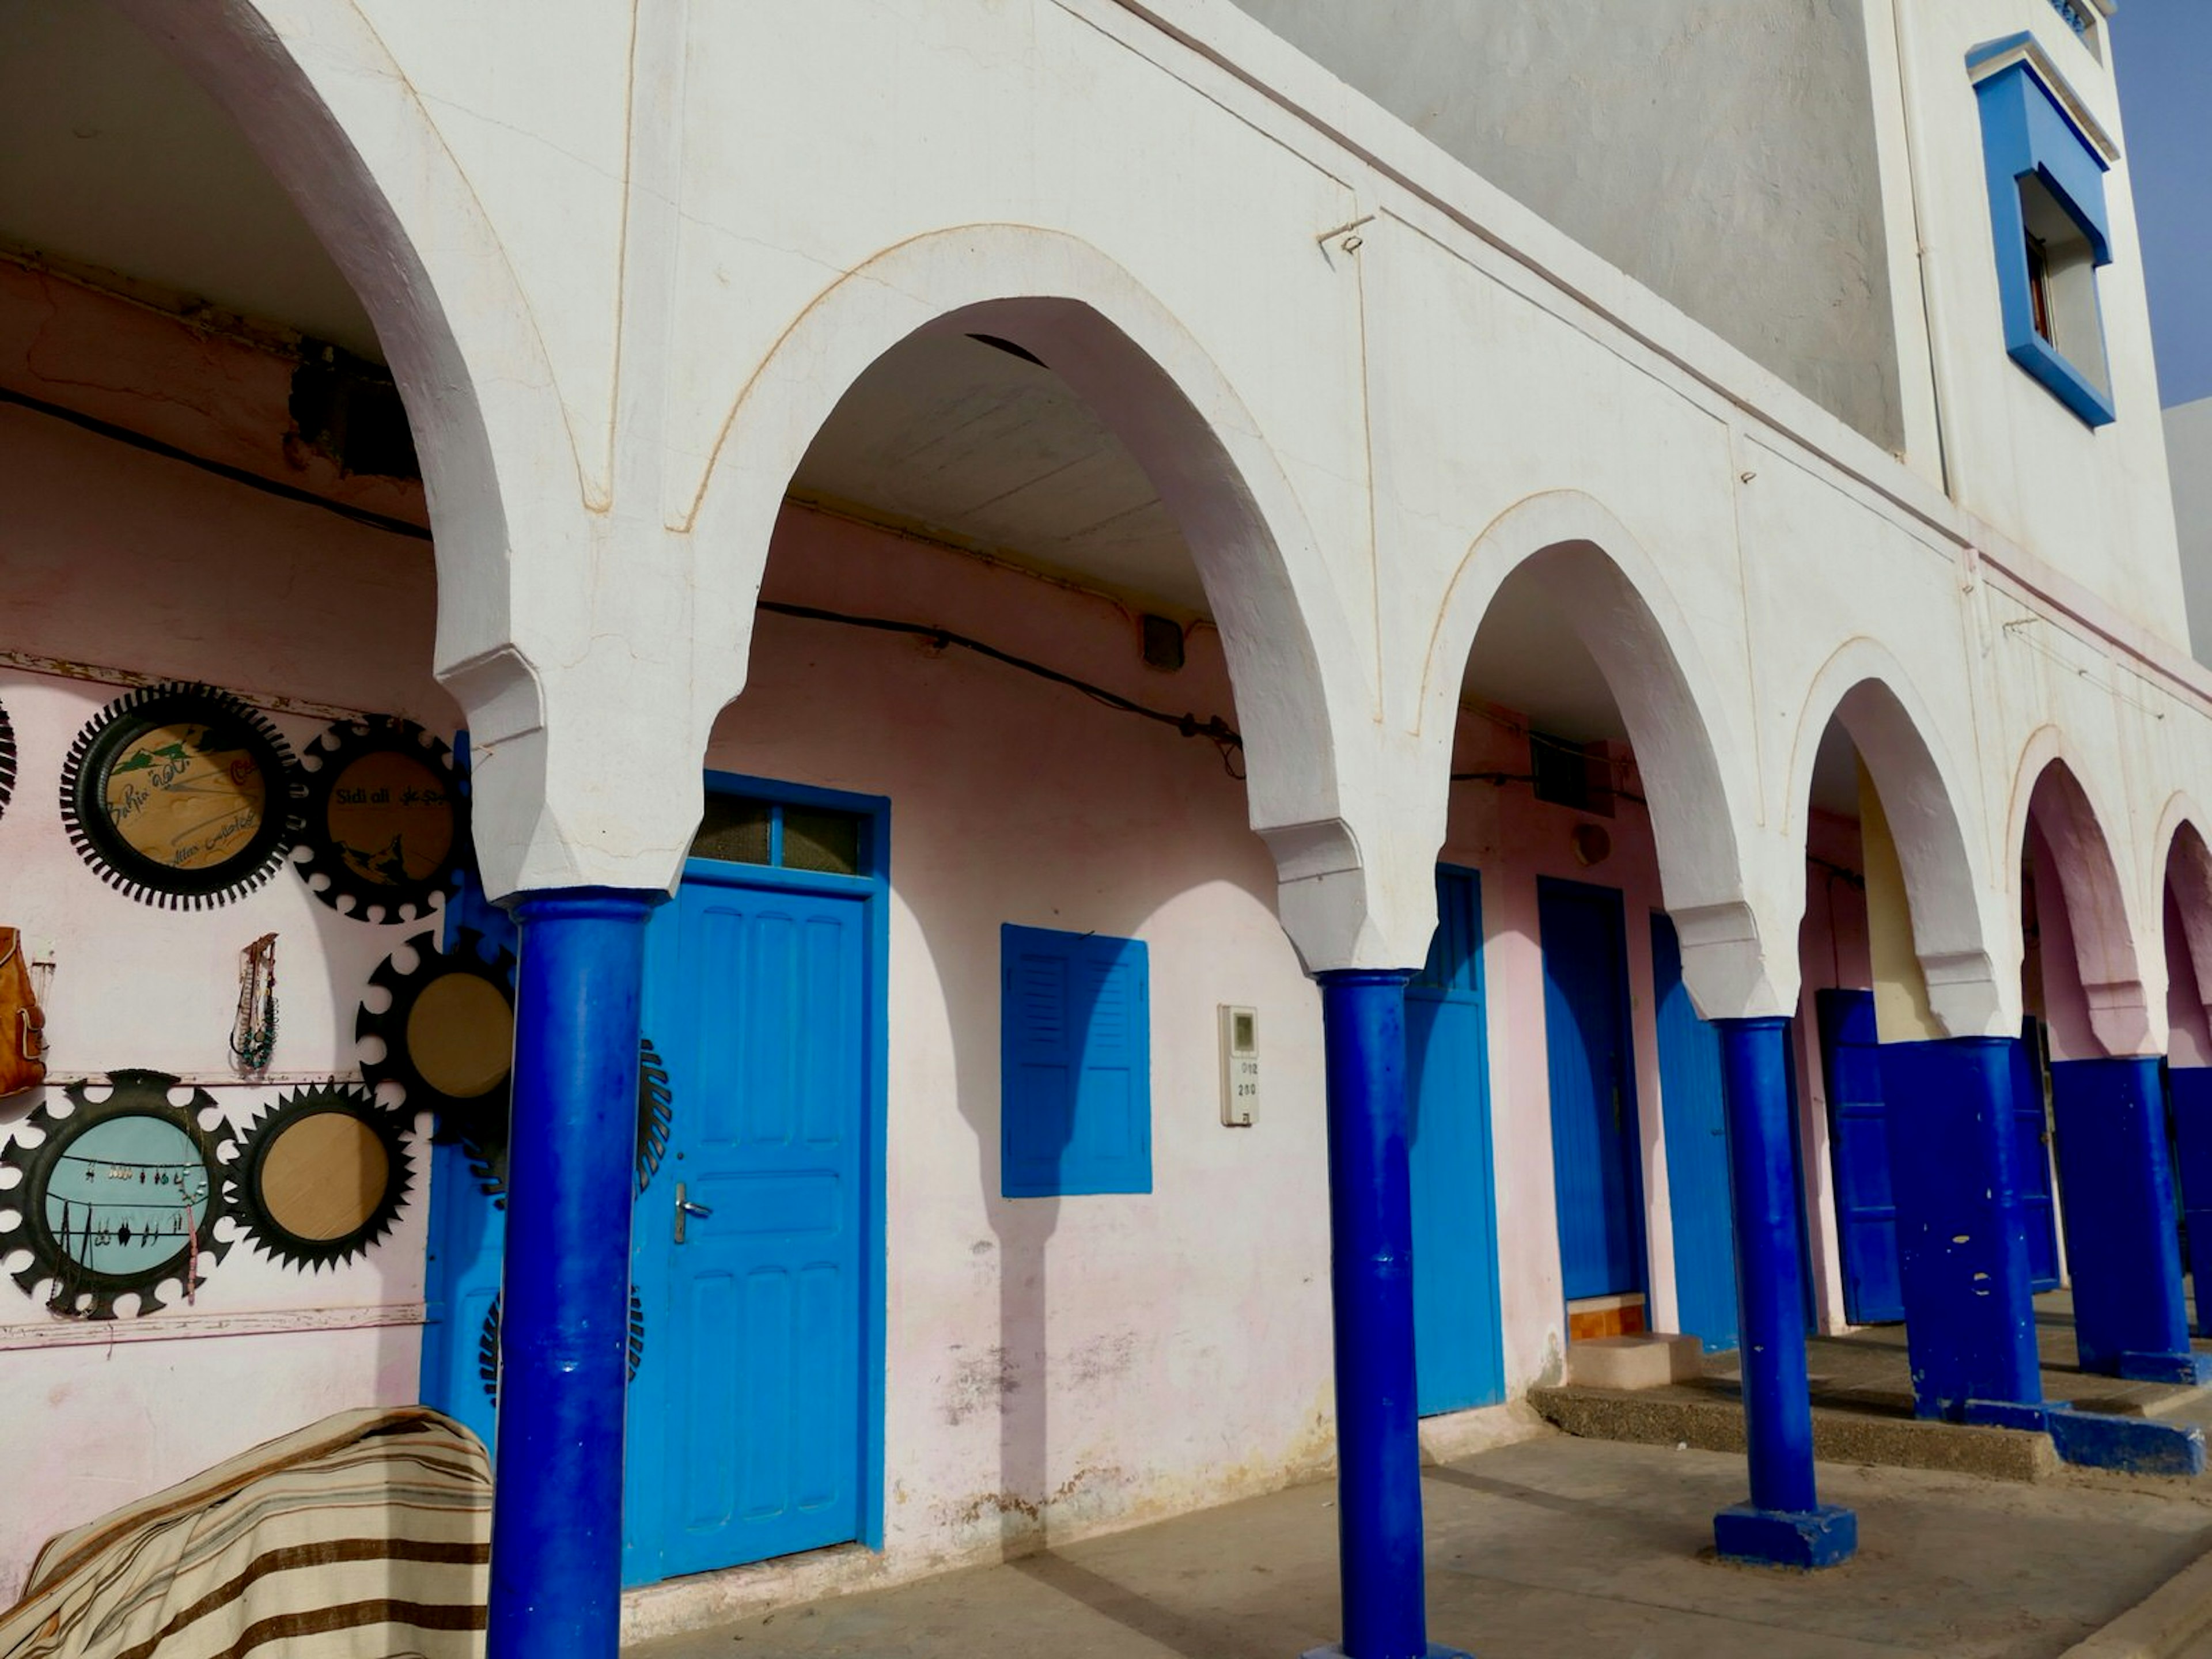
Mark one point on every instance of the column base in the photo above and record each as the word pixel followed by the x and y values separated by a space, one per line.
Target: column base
pixel 1805 1539
pixel 2133 1445
pixel 2191 1370
pixel 1433 1652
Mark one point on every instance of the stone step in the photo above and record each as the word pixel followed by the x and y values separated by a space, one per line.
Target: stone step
pixel 1650 1360
pixel 1675 1417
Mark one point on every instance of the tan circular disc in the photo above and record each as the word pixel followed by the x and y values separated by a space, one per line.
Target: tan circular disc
pixel 181 805
pixel 391 818
pixel 324 1175
pixel 460 1035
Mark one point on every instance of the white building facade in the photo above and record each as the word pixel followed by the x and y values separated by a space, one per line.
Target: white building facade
pixel 1140 683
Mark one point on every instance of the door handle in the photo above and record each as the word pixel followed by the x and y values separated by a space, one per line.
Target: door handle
pixel 685 1208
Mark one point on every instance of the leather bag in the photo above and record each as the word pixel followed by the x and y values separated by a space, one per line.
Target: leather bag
pixel 22 1025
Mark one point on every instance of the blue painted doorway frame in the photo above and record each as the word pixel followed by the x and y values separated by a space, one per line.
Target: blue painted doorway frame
pixel 1693 1111
pixel 2031 1122
pixel 466 1231
pixel 1858 1151
pixel 1459 1352
pixel 1589 1056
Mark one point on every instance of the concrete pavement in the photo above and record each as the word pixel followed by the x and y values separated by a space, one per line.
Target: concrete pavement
pixel 1553 1548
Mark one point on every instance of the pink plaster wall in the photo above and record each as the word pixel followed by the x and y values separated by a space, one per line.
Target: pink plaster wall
pixel 117 557
pixel 1083 1360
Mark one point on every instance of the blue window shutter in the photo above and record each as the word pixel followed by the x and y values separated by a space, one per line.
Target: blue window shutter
pixel 1075 1053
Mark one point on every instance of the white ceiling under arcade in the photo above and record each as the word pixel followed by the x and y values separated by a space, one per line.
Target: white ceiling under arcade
pixel 955 438
pixel 111 157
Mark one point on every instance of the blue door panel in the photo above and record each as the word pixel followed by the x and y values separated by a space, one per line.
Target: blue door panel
pixel 1696 1152
pixel 1594 1136
pixel 762 1451
pixel 746 1435
pixel 1459 1359
pixel 1858 1142
pixel 468 1234
pixel 2038 1214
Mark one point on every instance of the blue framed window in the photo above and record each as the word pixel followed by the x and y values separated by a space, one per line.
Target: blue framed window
pixel 2046 161
pixel 1075 1095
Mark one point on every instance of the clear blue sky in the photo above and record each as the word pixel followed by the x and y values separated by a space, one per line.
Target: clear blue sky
pixel 2163 49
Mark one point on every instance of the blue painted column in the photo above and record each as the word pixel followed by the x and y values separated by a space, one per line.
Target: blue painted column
pixel 2117 1189
pixel 2190 1091
pixel 1961 1236
pixel 557 1469
pixel 1378 1457
pixel 1784 1525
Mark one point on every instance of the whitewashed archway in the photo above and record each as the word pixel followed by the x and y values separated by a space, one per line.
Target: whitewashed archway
pixel 1669 701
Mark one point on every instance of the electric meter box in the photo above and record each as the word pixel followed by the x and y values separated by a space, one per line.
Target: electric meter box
pixel 1240 1066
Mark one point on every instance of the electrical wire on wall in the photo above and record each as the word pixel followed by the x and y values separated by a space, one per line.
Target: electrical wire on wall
pixel 1214 729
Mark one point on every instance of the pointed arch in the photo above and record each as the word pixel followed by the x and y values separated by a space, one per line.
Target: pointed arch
pixel 1864 687
pixel 1301 683
pixel 339 125
pixel 369 170
pixel 2185 870
pixel 2051 803
pixel 1669 698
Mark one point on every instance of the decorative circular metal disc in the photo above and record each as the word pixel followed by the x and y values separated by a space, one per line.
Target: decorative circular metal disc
pixel 7 759
pixel 321 1175
pixel 180 795
pixel 656 1118
pixel 448 1035
pixel 383 820
pixel 118 1198
pixel 487 1345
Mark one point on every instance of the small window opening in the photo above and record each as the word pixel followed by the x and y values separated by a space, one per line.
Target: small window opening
pixel 2062 282
pixel 735 830
pixel 2038 284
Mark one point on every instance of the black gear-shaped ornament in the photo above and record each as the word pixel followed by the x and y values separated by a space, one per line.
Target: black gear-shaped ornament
pixel 383 820
pixel 321 1175
pixel 180 795
pixel 119 1197
pixel 448 1035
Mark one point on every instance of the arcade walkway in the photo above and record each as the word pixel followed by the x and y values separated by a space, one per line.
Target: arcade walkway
pixel 1554 1548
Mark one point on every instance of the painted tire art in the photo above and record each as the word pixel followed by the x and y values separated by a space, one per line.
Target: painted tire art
pixel 448 1035
pixel 180 795
pixel 119 1196
pixel 321 1176
pixel 383 820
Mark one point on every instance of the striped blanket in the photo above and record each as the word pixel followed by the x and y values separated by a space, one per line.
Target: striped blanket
pixel 364 1536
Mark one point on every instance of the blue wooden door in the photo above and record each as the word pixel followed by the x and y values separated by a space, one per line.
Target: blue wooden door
pixel 468 1229
pixel 750 1440
pixel 1696 1152
pixel 1858 1144
pixel 2037 1213
pixel 1593 1083
pixel 1459 1359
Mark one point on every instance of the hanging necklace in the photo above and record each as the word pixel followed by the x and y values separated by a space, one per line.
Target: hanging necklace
pixel 253 1034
